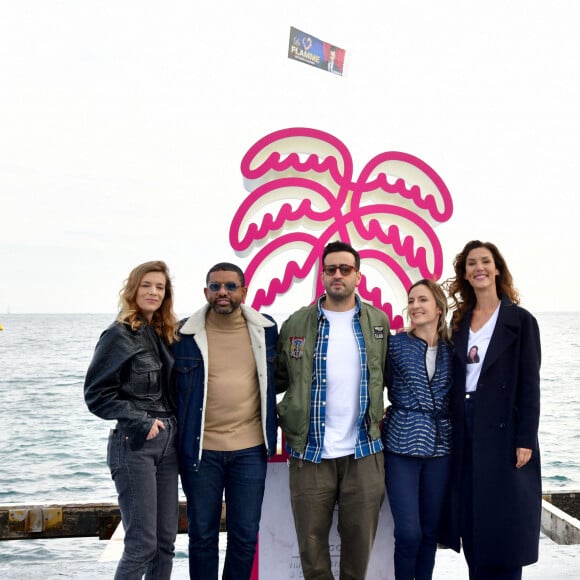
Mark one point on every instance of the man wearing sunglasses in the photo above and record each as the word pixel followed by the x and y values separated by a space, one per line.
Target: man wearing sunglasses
pixel 226 421
pixel 329 363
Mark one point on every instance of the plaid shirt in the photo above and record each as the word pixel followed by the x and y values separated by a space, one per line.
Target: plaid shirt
pixel 365 445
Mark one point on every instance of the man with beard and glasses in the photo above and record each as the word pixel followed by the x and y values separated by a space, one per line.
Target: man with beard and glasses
pixel 226 421
pixel 330 365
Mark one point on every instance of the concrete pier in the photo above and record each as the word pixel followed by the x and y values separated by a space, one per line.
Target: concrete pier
pixel 559 556
pixel 556 562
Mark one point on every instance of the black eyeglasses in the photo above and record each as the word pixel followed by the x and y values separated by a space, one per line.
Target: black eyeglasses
pixel 345 269
pixel 229 286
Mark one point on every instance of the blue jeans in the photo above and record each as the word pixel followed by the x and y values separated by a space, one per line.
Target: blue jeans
pixel 146 481
pixel 416 487
pixel 242 475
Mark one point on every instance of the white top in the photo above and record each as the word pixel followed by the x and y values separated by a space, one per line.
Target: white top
pixel 476 351
pixel 342 386
pixel 431 360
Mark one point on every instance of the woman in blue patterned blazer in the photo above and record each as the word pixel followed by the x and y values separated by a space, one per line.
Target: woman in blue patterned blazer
pixel 417 430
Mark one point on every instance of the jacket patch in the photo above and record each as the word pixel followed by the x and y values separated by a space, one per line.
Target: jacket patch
pixel 379 331
pixel 296 346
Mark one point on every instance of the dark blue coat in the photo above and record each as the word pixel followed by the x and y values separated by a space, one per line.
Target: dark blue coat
pixel 190 377
pixel 506 500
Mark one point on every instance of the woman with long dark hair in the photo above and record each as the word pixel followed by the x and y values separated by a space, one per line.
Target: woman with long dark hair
pixel 129 380
pixel 496 494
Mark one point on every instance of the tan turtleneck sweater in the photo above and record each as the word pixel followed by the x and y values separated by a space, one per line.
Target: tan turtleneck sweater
pixel 232 416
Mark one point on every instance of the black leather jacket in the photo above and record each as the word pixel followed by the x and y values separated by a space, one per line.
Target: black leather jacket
pixel 129 379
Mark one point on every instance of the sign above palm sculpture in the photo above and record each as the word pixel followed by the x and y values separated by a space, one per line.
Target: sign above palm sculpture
pixel 303 194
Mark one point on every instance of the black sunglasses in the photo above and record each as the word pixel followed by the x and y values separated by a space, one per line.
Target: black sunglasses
pixel 229 286
pixel 331 269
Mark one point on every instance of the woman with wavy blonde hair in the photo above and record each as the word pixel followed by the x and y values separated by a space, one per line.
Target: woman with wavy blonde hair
pixel 416 431
pixel 129 380
pixel 163 320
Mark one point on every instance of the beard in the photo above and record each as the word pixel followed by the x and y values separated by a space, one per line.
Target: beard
pixel 225 308
pixel 339 292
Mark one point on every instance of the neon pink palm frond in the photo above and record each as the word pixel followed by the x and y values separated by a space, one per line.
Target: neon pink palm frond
pixel 271 222
pixel 266 154
pixel 292 272
pixel 408 165
pixel 382 229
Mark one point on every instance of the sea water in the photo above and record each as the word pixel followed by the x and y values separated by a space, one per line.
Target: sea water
pixel 52 449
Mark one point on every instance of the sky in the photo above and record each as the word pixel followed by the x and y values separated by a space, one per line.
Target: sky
pixel 123 125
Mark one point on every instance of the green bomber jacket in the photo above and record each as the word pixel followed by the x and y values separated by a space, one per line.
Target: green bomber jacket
pixel 294 364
